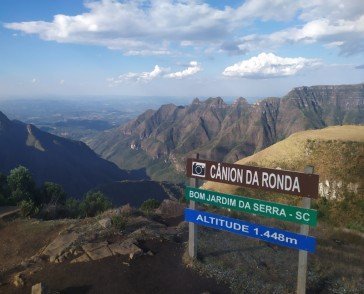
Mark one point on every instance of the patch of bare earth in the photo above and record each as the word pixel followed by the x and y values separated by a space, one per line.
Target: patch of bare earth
pixel 161 273
pixel 92 256
pixel 21 239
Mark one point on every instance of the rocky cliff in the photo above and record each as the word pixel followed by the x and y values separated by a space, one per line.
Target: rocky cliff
pixel 162 139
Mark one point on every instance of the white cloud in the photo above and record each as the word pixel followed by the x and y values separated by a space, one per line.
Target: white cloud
pixel 193 68
pixel 346 35
pixel 34 81
pixel 332 10
pixel 269 66
pixel 138 77
pixel 152 27
pixel 61 82
pixel 134 26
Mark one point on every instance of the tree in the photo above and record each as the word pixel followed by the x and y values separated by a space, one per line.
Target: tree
pixel 21 184
pixel 94 203
pixel 52 193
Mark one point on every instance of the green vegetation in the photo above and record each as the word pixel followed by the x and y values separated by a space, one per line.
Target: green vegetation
pixel 148 206
pixel 21 184
pixel 347 213
pixel 52 193
pixel 336 153
pixel 94 203
pixel 119 222
pixel 73 208
pixel 49 201
pixel 28 208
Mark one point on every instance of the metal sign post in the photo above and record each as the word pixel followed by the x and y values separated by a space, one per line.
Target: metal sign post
pixel 192 227
pixel 304 185
pixel 302 255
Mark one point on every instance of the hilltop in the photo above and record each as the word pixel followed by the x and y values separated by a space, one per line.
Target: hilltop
pixel 336 153
pixel 160 140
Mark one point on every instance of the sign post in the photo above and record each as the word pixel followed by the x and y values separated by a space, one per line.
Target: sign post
pixel 274 180
pixel 300 184
pixel 302 255
pixel 192 227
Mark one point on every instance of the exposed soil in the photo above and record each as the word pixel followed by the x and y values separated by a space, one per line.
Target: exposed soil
pixel 161 273
pixel 21 239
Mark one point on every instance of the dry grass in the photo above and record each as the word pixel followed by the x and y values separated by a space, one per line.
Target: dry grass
pixel 252 266
pixel 329 150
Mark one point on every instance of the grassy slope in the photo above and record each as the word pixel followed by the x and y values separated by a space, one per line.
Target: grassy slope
pixel 337 154
pixel 296 151
pixel 251 266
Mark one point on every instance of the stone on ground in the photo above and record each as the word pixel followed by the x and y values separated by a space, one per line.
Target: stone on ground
pixel 105 222
pixel 82 258
pixel 59 245
pixel 39 289
pixel 125 248
pixel 99 253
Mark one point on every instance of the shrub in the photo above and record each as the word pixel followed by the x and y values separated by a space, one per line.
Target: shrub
pixel 73 208
pixel 52 193
pixel 28 208
pixel 119 222
pixel 53 211
pixel 94 203
pixel 149 205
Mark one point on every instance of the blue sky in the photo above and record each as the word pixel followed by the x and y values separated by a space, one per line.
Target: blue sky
pixel 250 48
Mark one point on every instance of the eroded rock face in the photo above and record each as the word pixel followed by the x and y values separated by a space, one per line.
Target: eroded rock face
pixel 335 190
pixel 60 245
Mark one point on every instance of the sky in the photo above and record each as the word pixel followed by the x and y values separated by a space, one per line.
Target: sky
pixel 252 48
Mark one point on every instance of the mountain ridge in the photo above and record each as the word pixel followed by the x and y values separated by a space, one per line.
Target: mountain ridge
pixel 51 158
pixel 223 132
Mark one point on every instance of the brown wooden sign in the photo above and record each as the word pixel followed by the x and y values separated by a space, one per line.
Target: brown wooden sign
pixel 276 180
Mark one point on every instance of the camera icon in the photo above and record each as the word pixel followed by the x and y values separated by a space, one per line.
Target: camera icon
pixel 198 169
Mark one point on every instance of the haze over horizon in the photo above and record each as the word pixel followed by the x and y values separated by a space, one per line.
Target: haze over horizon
pixel 178 48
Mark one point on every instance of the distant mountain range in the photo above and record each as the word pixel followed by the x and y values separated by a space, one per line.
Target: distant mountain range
pixel 51 158
pixel 160 140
